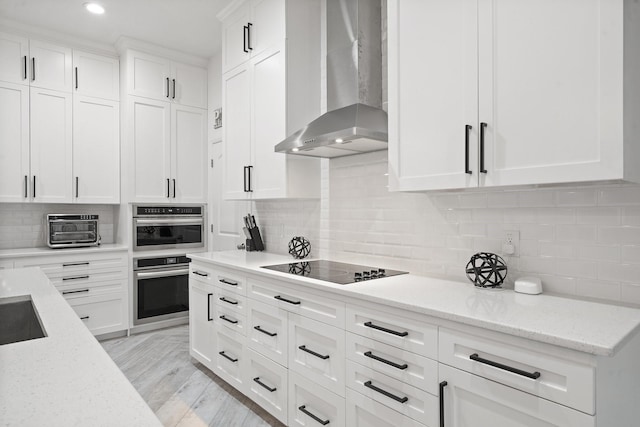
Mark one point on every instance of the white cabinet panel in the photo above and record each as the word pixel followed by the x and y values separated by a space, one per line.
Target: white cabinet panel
pixel 310 405
pixel 230 361
pixel 230 319
pixel 201 320
pixel 366 412
pixel 267 385
pixel 189 85
pixel 148 76
pixel 268 331
pixel 101 314
pixel 50 66
pixel 96 75
pixel 96 150
pixel 188 157
pixel 14 140
pixel 14 59
pixel 268 24
pixel 234 38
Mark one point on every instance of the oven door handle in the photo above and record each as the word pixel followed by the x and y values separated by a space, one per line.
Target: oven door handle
pixel 163 273
pixel 175 221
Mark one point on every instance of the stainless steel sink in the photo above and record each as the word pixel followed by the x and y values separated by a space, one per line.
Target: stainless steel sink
pixel 19 320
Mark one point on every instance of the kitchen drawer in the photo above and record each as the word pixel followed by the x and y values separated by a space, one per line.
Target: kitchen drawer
pixel 408 334
pixel 267 385
pixel 231 301
pixel 313 306
pixel 78 289
pixel 267 331
pixel 402 365
pixel 312 406
pixel 103 313
pixel 230 358
pixel 317 351
pixel 366 412
pixel 87 279
pixel 230 319
pixel 223 279
pixel 566 381
pixel 406 399
pixel 61 266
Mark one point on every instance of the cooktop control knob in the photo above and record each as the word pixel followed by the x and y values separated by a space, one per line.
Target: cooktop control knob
pixel 357 276
pixel 374 273
pixel 381 272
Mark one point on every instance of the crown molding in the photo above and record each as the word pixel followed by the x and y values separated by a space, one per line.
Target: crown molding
pixel 125 43
pixel 232 7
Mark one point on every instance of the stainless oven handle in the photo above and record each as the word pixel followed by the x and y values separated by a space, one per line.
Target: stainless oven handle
pixel 163 273
pixel 181 221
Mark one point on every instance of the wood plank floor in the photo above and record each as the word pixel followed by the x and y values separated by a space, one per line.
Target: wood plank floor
pixel 180 390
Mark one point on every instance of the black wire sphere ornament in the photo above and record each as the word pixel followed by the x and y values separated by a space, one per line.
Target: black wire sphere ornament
pixel 486 270
pixel 299 247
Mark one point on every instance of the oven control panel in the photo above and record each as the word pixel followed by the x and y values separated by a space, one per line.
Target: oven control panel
pixel 167 210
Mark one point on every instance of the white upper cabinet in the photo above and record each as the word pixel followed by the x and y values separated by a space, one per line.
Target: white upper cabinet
pixel 96 75
pixel 536 106
pixel 14 140
pixel 14 59
pixel 50 66
pixel 159 78
pixel 189 153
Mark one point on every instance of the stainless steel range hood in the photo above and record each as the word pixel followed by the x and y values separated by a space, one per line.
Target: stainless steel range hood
pixel 355 122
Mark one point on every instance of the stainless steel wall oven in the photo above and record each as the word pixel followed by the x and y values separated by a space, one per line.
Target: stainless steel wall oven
pixel 168 227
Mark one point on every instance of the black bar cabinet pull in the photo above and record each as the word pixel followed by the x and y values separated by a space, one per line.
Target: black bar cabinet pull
pixel 386 393
pixel 482 128
pixel 174 188
pixel 467 129
pixel 209 318
pixel 249 24
pixel 532 375
pixel 26 186
pixel 76 78
pixel 389 331
pixel 228 301
pixel 278 297
pixel 303 409
pixel 84 318
pixel 201 274
pixel 25 67
pixel 34 186
pixel 74 278
pixel 271 389
pixel 244 177
pixel 174 89
pixel 74 264
pixel 33 69
pixel 259 329
pixel 75 292
pixel 76 187
pixel 249 189
pixel 226 282
pixel 388 362
pixel 443 384
pixel 226 356
pixel 318 355
pixel 223 317
pixel 245 29
pixel 168 94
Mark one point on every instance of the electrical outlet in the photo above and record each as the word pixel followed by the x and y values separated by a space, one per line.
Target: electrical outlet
pixel 511 243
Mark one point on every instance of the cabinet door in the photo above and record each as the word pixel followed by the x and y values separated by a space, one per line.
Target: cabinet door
pixel 268 23
pixel 50 66
pixel 51 150
pixel 430 104
pixel 148 76
pixel 96 150
pixel 201 315
pixel 189 153
pixel 101 314
pixel 150 133
pixel 96 75
pixel 471 401
pixel 14 58
pixel 189 85
pixel 268 119
pixel 14 140
pixel 236 132
pixel 235 48
pixel 552 99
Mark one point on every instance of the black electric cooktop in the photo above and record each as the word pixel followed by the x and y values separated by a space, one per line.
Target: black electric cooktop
pixel 334 272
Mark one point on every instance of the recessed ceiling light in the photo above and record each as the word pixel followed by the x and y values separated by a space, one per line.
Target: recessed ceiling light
pixel 339 140
pixel 295 149
pixel 94 8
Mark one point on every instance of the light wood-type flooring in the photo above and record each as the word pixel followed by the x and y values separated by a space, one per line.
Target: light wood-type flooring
pixel 180 390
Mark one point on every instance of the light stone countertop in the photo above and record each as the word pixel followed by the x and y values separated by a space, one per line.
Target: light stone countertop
pixel 47 251
pixel 590 327
pixel 66 378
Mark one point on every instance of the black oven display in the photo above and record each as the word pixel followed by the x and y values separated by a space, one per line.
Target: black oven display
pixel 174 234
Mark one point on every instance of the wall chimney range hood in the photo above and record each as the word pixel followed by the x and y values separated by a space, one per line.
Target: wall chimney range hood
pixel 355 122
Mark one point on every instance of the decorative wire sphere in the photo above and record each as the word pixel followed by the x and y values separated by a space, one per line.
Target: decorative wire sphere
pixel 486 270
pixel 299 247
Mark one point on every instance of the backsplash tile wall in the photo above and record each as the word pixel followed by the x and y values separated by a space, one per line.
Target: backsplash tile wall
pixel 22 224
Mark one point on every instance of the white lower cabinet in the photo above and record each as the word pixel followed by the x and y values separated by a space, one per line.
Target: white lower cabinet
pixel 363 411
pixel 230 359
pixel 310 405
pixel 267 385
pixel 472 401
pixel 268 331
pixel 102 313
pixel 201 326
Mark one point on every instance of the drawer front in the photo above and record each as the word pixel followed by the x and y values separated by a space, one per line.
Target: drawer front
pixel 406 399
pixel 560 380
pixel 87 279
pixel 408 334
pixel 317 351
pixel 267 385
pixel 230 357
pixel 81 290
pixel 229 319
pixel 402 365
pixel 366 412
pixel 101 314
pixel 297 301
pixel 61 266
pixel 313 406
pixel 231 301
pixel 267 331
pixel 224 279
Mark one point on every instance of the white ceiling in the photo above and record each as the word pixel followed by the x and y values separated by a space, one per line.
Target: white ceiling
pixel 189 26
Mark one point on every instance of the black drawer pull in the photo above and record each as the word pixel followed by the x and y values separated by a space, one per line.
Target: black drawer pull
pixel 223 317
pixel 84 318
pixel 73 264
pixel 278 297
pixel 226 282
pixel 388 362
pixel 389 331
pixel 75 278
pixel 197 273
pixel 228 301
pixel 386 393
pixel 271 389
pixel 532 375
pixel 321 356
pixel 75 292
pixel 226 356
pixel 259 329
pixel 209 318
pixel 303 409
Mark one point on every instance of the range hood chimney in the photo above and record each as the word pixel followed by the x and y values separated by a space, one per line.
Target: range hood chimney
pixel 355 122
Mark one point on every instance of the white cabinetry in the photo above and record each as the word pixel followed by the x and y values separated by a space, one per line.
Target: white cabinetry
pixel 512 106
pixel 96 75
pixel 269 92
pixel 201 315
pixel 14 138
pixel 14 59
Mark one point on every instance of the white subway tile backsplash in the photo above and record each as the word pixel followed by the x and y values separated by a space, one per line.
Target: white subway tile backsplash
pixel 599 215
pixel 577 268
pixel 536 198
pixel 576 233
pixel 576 197
pixel 620 235
pixel 630 293
pixel 599 289
pixel 624 195
pixel 631 216
pixel 629 273
pixel 630 254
